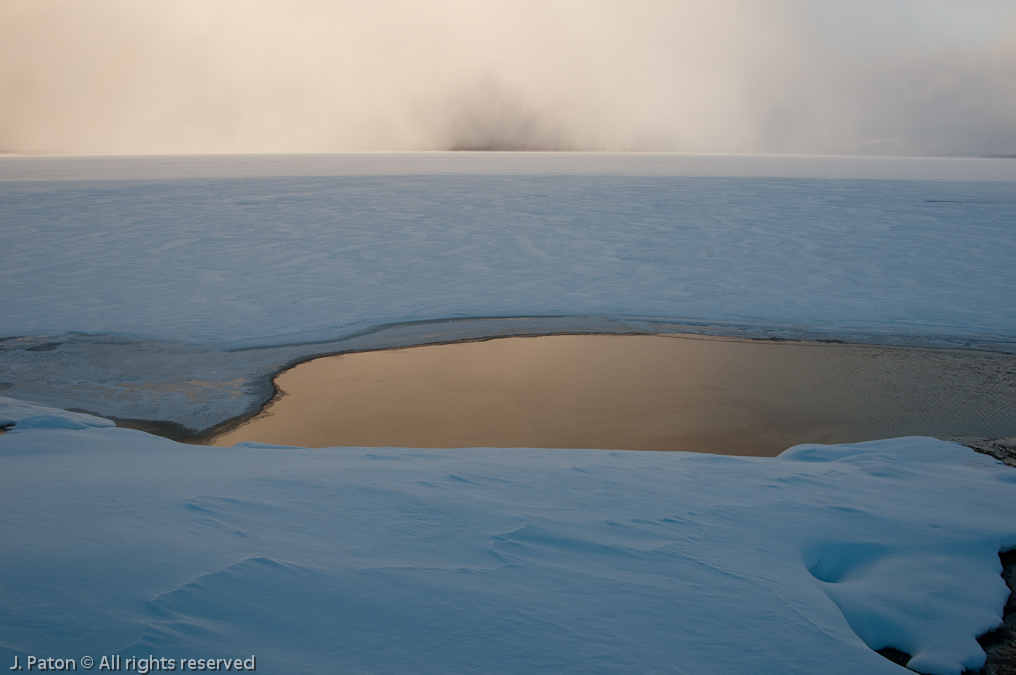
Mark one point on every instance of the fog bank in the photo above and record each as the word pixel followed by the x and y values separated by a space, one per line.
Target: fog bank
pixel 232 76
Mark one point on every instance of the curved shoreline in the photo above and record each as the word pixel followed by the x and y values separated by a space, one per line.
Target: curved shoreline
pixel 842 379
pixel 118 377
pixel 585 325
pixel 409 332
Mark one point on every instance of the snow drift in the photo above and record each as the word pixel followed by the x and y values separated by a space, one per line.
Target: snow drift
pixel 495 560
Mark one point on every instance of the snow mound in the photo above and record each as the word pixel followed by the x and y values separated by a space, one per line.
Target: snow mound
pixel 30 416
pixel 903 452
pixel 266 446
pixel 400 560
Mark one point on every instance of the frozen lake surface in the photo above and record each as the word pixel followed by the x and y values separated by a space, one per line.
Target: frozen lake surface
pixel 131 282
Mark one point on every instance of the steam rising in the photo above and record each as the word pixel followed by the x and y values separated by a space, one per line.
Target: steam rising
pixel 217 76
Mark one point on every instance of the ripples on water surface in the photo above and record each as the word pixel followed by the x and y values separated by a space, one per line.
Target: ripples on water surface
pixel 639 393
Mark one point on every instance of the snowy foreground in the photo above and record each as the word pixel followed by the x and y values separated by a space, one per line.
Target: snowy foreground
pixel 350 560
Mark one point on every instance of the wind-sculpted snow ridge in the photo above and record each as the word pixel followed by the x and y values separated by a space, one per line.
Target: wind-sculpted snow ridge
pixel 501 560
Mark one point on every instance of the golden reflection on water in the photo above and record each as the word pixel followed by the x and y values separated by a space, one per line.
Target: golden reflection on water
pixel 635 392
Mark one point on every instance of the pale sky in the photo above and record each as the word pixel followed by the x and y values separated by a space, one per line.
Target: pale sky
pixel 907 77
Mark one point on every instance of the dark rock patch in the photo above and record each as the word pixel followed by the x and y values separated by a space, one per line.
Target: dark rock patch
pixel 44 347
pixel 1000 644
pixel 171 430
pixel 1002 449
pixel 895 655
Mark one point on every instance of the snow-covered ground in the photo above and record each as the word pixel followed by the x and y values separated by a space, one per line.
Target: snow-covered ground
pixel 184 260
pixel 351 560
pixel 169 288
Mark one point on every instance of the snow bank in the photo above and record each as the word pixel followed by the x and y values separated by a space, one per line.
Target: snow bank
pixel 501 560
pixel 30 416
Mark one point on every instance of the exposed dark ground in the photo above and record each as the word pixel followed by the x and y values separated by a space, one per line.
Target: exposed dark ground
pixel 1002 449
